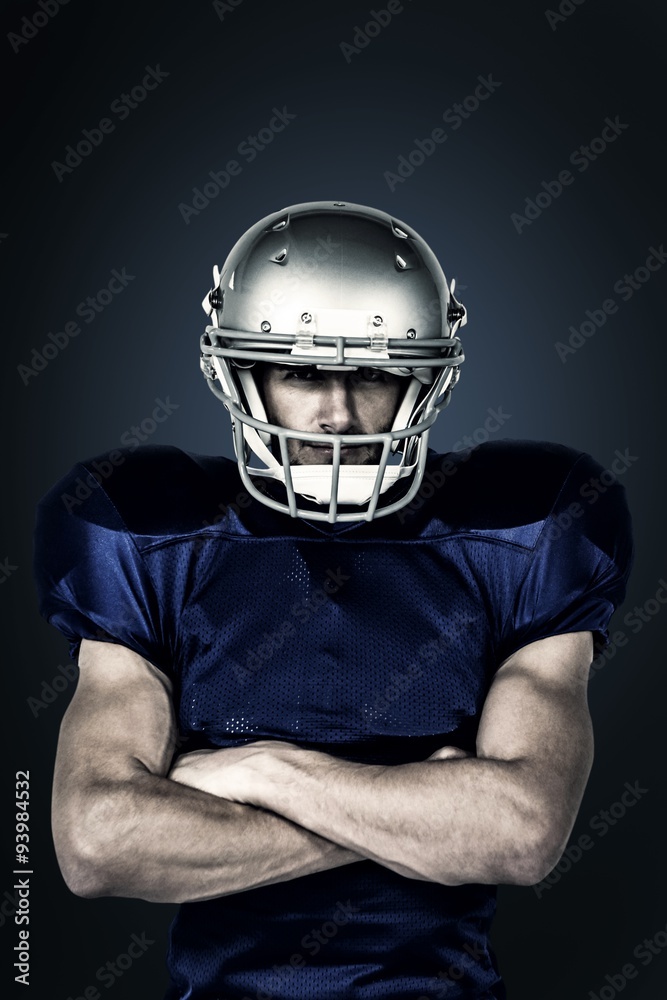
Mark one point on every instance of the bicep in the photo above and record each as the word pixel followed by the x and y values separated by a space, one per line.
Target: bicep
pixel 536 715
pixel 121 717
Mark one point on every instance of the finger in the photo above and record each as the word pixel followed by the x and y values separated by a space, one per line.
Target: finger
pixel 445 753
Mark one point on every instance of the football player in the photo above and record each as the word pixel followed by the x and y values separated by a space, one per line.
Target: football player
pixel 333 693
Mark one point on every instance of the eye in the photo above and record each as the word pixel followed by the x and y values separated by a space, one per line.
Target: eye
pixel 372 375
pixel 304 373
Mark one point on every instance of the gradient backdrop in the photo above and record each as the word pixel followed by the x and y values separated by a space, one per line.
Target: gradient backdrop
pixel 223 69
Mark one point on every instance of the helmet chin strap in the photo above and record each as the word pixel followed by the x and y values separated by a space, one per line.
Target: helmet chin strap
pixel 355 482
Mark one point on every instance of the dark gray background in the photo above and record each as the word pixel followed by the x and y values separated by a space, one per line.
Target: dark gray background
pixel 120 208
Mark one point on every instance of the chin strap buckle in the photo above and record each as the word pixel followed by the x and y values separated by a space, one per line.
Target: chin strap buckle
pixel 207 368
pixel 457 314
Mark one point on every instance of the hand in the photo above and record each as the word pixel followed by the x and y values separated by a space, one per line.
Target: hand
pixel 197 769
pixel 233 773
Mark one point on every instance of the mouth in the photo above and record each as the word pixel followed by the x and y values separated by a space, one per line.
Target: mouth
pixel 325 452
pixel 329 447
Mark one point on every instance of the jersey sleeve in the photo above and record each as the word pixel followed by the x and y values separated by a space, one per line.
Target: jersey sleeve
pixel 578 572
pixel 91 580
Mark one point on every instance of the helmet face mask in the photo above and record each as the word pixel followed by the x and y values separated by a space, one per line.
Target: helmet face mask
pixel 337 288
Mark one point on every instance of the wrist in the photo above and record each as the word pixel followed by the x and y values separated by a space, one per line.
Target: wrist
pixel 305 785
pixel 266 768
pixel 277 775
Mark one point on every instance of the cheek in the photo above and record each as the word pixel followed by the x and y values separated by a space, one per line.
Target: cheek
pixel 286 409
pixel 273 402
pixel 377 410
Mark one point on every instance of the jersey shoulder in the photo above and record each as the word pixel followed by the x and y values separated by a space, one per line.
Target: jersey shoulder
pixel 151 491
pixel 506 485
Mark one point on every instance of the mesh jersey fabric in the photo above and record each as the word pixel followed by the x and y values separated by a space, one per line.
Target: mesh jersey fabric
pixel 375 642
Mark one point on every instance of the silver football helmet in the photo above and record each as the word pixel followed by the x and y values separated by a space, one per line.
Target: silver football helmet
pixel 336 286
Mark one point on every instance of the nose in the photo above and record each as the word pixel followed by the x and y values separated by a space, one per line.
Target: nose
pixel 337 413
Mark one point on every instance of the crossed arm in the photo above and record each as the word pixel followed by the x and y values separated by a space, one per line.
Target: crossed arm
pixel 227 820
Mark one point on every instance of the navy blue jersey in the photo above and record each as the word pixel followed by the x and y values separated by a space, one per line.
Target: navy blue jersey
pixel 376 642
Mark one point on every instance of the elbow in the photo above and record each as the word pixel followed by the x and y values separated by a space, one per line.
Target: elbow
pixel 536 856
pixel 82 879
pixel 84 873
pixel 524 858
pixel 82 869
pixel 86 849
pixel 530 871
pixel 524 861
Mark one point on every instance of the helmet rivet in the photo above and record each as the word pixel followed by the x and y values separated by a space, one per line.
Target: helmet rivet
pixel 215 298
pixel 306 317
pixel 377 320
pixel 266 326
pixel 411 334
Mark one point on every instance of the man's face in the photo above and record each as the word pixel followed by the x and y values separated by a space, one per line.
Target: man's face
pixel 304 398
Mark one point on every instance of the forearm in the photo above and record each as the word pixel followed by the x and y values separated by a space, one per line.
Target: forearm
pixel 152 838
pixel 502 816
pixel 450 821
